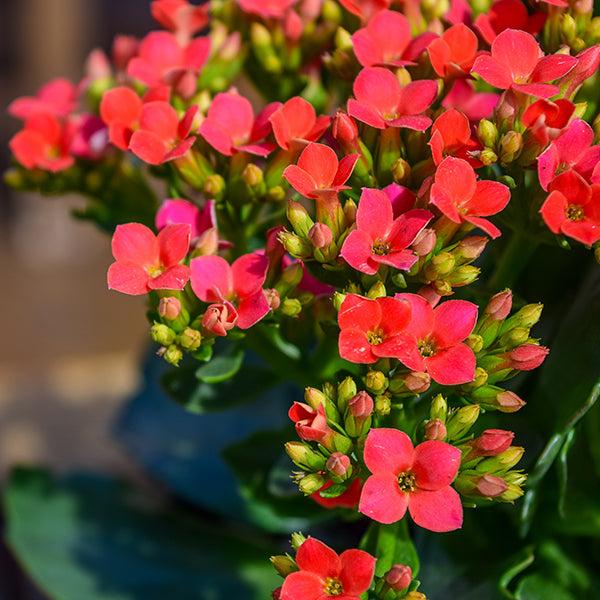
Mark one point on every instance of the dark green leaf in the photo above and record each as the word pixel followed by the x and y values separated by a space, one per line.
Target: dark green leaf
pixel 334 491
pixel 538 587
pixel 519 563
pixel 89 537
pixel 221 367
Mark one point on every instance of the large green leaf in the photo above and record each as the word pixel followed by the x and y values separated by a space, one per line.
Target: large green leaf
pixel 84 537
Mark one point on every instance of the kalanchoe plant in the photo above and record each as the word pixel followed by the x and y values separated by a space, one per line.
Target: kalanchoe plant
pixel 359 226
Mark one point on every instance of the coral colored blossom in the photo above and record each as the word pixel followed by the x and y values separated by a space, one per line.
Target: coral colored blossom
pixel 275 9
pixel 451 136
pixel 214 280
pixel 365 9
pixel 381 101
pixel 230 126
pixel 369 329
pixel 573 208
pixel 295 123
pixel 508 14
pixel 414 478
pixel 311 425
pixel 180 17
pixel 434 339
pixel 517 62
pixel 381 239
pixel 58 98
pixel 573 149
pixel 146 262
pixel 546 120
pixel 319 172
pixel 323 573
pixel 452 54
pixel 458 194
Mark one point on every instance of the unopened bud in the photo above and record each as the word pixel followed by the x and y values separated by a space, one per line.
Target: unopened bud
pixel 162 334
pixel 304 456
pixel 361 406
pixel 464 275
pixel 461 420
pixel 320 235
pixel 275 194
pixel 414 382
pixel 377 290
pixel 516 336
pixel 401 171
pixel 206 243
pixel 284 565
pixel 252 175
pixel 338 464
pixel 487 133
pixel 514 492
pixel 501 462
pixel 299 218
pixel 169 308
pixel 498 308
pixel 424 242
pixel 527 316
pixel 494 397
pixel 415 596
pixel 491 443
pixel 439 408
pixel 295 245
pixel 383 405
pixel 344 129
pixel 439 265
pixel 511 144
pixel 297 540
pixel 345 391
pixel 219 319
pixel 488 157
pixel 214 187
pixel 490 486
pixel 273 299
pixel 527 356
pixel 376 382
pixel 435 430
pixel 311 483
pixel 172 354
pixel 470 248
pixel 399 577
pixel 568 28
pixel 314 397
pixel 190 339
pixel 475 342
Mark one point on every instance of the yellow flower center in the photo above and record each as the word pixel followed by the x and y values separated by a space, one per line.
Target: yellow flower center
pixel 333 587
pixel 406 482
pixel 426 348
pixel 575 212
pixel 380 247
pixel 375 337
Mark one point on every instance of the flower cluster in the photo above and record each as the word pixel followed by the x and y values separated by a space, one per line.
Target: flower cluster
pixel 339 226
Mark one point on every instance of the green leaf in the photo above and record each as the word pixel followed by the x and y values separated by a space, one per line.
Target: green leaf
pixel 520 562
pixel 89 537
pixel 539 587
pixel 221 367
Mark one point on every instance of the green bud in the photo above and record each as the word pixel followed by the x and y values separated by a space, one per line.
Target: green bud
pixel 487 133
pixel 297 540
pixel 295 245
pixel 488 157
pixel 461 420
pixel 401 172
pixel 214 187
pixel 342 444
pixel 162 334
pixel 310 483
pixel 330 391
pixel 568 28
pixel 514 337
pixel 464 275
pixel 376 382
pixel 172 354
pixel 501 462
pixel 350 210
pixel 399 280
pixel 439 408
pixel 439 266
pixel 305 457
pixel 511 145
pixel 377 290
pixel 284 565
pixel 475 342
pixel 514 492
pixel 337 300
pixel 383 404
pixel 290 307
pixel 275 194
pixel 345 392
pixel 252 175
pixel 342 39
pixel 481 377
pixel 299 218
pixel 189 339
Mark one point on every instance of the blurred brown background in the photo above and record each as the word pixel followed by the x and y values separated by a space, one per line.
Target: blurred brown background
pixel 70 350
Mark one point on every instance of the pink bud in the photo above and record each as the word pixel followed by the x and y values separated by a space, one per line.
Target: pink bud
pixel 207 242
pixel 418 382
pixel 399 577
pixel 499 305
pixel 169 308
pixel 361 406
pixel 344 129
pixel 435 430
pixel 527 356
pixel 472 247
pixel 508 402
pixel 320 235
pixel 219 318
pixel 276 593
pixel 338 464
pixel 273 299
pixel 491 486
pixel 490 443
pixel 424 242
pixel 124 48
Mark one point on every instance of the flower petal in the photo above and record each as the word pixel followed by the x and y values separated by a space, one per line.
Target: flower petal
pixel 302 584
pixel 454 321
pixel 173 242
pixel 354 346
pixel 452 366
pixel 210 273
pixel 316 557
pixel 127 278
pixel 135 243
pixel 249 272
pixel 438 511
pixel 436 464
pixel 388 451
pixel 382 500
pixel 358 568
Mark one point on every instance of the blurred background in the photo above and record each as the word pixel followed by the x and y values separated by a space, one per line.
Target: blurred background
pixel 70 350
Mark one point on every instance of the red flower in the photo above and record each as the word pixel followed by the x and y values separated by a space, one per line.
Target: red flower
pixel 475 105
pixel 517 62
pixel 214 280
pixel 508 14
pixel 322 573
pixel 365 9
pixel 451 135
pixel 382 102
pixel 311 425
pixel 146 262
pixel 318 171
pixel 546 120
pixel 275 9
pixel 180 17
pixel 573 208
pixel 58 98
pixel 453 53
pixel 381 239
pixel 296 123
pixel 387 40
pixel 230 126
pixel 415 478
pixel 433 340
pixel 458 194
pixel 369 329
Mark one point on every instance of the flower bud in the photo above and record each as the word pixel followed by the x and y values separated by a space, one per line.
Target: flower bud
pixel 470 248
pixel 509 402
pixel 377 290
pixel 361 406
pixel 252 175
pixel 339 465
pixel 413 382
pixel 305 457
pixel 206 243
pixel 501 462
pixel 463 275
pixel 461 420
pixel 345 391
pixel 442 287
pixel 376 382
pixel 383 405
pixel 491 396
pixel 424 242
pixel 439 266
pixel 190 339
pixel 290 307
pixel 172 354
pixel 499 305
pixel 310 483
pixel 275 194
pixel 526 356
pixel 490 486
pixel 320 235
pixel 439 408
pixel 514 492
pixel 475 342
pixel 299 218
pixel 295 245
pixel 273 299
pixel 490 443
pixel 284 565
pixel 514 337
pixel 488 157
pixel 415 596
pixel 398 577
pixel 214 187
pixel 487 133
pixel 527 316
pixel 350 210
pixel 219 319
pixel 162 334
pixel 511 144
pixel 169 308
pixel 435 430
pixel 297 540
pixel 401 171
pixel 344 129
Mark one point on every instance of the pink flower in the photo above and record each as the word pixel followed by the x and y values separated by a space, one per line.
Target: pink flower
pixel 180 17
pixel 163 60
pixel 318 171
pixel 58 98
pixel 508 14
pixel 381 239
pixel 458 194
pixel 572 149
pixel 295 123
pixel 451 135
pixel 322 573
pixel 311 425
pixel 275 9
pixel 387 40
pixel 219 318
pixel 214 280
pixel 546 120
pixel 382 102
pixel 415 478
pixel 517 62
pixel 178 210
pixel 433 340
pixel 369 329
pixel 475 105
pixel 573 208
pixel 365 9
pixel 146 262
pixel 453 53
pixel 230 127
